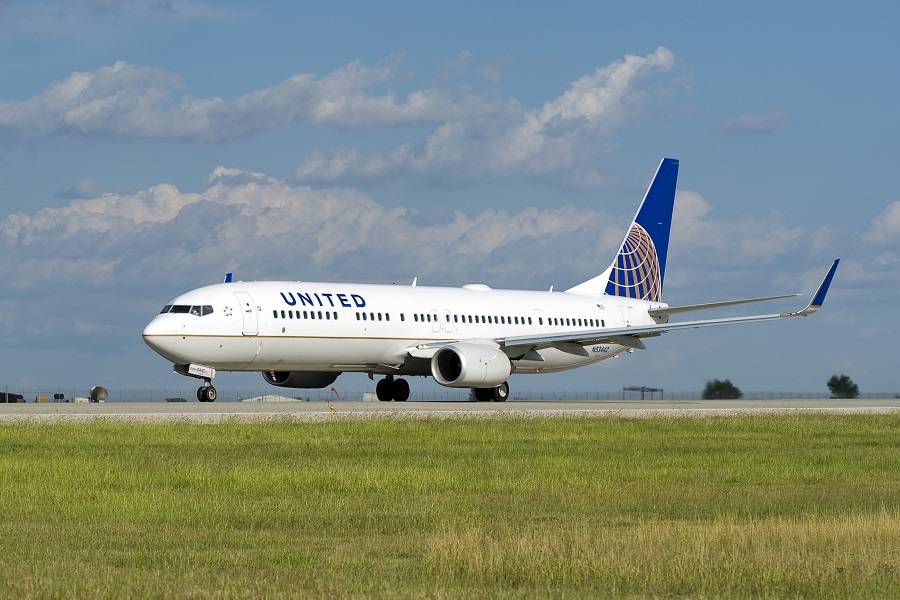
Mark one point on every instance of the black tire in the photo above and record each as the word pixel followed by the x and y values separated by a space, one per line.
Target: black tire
pixel 383 390
pixel 483 394
pixel 201 397
pixel 500 393
pixel 400 390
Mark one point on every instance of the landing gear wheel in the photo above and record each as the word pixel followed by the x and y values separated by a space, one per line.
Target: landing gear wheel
pixel 384 389
pixel 500 393
pixel 400 390
pixel 482 394
pixel 207 393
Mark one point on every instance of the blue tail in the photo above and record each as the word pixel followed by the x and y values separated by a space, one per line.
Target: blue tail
pixel 639 269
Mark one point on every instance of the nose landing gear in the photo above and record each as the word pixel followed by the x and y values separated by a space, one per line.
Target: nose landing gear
pixel 388 389
pixel 206 392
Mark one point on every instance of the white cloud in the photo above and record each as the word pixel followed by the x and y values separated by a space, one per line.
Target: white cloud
pixel 885 228
pixel 124 100
pixel 558 139
pixel 723 253
pixel 769 122
pixel 162 234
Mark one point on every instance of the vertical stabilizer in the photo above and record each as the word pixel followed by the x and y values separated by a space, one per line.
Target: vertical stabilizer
pixel 639 268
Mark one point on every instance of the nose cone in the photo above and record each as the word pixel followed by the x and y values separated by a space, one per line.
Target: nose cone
pixel 155 336
pixel 152 330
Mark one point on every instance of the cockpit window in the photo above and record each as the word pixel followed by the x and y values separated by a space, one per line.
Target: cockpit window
pixel 165 309
pixel 197 310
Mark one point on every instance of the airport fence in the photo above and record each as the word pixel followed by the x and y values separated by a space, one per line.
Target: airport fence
pixel 188 394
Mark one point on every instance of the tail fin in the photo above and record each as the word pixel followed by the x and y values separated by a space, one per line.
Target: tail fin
pixel 639 268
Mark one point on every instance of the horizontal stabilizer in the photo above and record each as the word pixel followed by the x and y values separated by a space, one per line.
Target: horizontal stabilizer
pixel 672 310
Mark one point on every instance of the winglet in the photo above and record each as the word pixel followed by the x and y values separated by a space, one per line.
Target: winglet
pixel 819 297
pixel 228 277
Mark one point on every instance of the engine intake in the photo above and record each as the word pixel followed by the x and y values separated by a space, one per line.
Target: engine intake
pixel 470 365
pixel 300 379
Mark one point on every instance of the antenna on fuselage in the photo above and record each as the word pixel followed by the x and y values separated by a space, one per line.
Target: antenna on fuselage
pixel 551 288
pixel 415 281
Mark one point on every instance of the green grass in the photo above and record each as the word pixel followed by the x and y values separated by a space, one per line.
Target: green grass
pixel 776 506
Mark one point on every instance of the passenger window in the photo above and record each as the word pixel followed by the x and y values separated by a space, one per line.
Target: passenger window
pixel 387 316
pixel 357 316
pixel 602 322
pixel 364 316
pixel 327 316
pixel 320 315
pixel 305 315
pixel 195 310
pixel 529 320
pixel 402 317
pixel 456 318
pixel 379 316
pixel 282 314
pixel 274 314
pixel 290 314
pixel 165 309
pixel 415 317
pixel 540 321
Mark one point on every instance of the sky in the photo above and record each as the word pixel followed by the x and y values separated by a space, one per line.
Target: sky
pixel 149 146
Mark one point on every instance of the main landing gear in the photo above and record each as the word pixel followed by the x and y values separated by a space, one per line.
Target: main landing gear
pixel 388 389
pixel 206 392
pixel 495 394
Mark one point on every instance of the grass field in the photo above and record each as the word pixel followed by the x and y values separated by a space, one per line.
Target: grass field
pixel 786 506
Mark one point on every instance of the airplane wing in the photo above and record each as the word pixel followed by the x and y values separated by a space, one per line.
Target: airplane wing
pixel 672 310
pixel 573 342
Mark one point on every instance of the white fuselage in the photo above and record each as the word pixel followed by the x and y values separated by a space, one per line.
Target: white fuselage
pixel 302 326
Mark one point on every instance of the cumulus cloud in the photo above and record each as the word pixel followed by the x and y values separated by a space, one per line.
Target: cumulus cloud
pixel 163 234
pixel 885 228
pixel 132 101
pixel 552 140
pixel 720 253
pixel 757 123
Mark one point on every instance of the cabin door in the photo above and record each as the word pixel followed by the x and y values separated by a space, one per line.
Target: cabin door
pixel 248 313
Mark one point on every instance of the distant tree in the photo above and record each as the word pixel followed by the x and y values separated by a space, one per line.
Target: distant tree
pixel 721 389
pixel 842 386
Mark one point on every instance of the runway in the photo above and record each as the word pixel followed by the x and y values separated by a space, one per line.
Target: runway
pixel 219 412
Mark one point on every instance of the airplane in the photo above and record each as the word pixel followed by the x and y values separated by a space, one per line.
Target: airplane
pixel 302 334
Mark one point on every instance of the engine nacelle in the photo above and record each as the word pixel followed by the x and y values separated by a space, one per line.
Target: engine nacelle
pixel 470 365
pixel 300 379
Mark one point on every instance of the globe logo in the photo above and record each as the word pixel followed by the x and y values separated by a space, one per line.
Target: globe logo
pixel 635 272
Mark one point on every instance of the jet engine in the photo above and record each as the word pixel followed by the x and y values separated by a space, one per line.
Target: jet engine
pixel 300 379
pixel 470 365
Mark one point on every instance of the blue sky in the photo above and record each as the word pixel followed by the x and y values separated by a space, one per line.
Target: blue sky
pixel 147 146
